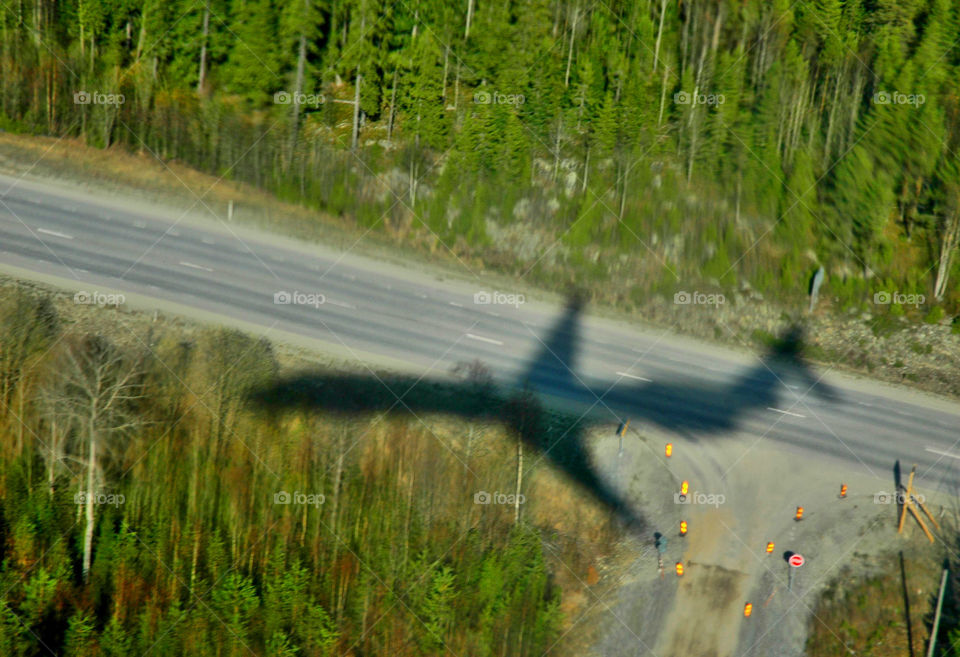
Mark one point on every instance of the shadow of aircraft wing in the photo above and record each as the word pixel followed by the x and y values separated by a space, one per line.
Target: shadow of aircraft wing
pixel 555 362
pixel 557 437
pixel 689 406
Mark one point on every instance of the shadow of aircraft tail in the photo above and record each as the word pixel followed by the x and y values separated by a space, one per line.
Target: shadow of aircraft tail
pixel 694 406
pixel 688 407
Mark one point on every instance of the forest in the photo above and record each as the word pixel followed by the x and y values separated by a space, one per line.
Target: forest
pixel 635 146
pixel 149 507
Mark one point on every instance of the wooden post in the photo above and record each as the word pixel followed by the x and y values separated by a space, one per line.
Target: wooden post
pixel 923 525
pixel 936 617
pixel 908 504
pixel 923 507
pixel 906 498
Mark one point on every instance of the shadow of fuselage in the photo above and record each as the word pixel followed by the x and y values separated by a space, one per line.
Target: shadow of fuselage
pixel 691 406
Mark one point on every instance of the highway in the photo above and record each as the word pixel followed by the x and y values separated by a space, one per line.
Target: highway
pixel 734 415
pixel 358 305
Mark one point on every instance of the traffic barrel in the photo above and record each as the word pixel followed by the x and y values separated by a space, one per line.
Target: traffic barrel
pixel 747 610
pixel 799 515
pixel 770 547
pixel 843 490
pixel 679 569
pixel 683 527
pixel 669 450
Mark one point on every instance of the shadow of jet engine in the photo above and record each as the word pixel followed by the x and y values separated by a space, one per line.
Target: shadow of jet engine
pixel 689 407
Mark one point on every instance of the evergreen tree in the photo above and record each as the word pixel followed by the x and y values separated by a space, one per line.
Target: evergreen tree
pixel 252 69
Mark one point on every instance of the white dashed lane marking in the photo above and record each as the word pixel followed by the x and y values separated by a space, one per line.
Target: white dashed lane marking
pixel 54 233
pixel 483 339
pixel 634 376
pixel 942 452
pixel 790 413
pixel 193 266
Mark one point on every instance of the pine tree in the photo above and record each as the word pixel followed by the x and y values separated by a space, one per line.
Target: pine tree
pixel 81 638
pixel 115 641
pixel 234 602
pixel 252 69
pixel 438 613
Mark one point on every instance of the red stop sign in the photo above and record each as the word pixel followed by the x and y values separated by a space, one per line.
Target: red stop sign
pixel 796 560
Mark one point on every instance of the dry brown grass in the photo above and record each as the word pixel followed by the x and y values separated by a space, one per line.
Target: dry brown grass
pixel 117 170
pixel 428 457
pixel 865 614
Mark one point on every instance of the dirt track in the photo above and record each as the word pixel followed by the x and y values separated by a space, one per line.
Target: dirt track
pixel 726 566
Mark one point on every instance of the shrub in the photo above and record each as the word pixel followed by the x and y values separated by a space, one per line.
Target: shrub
pixel 934 316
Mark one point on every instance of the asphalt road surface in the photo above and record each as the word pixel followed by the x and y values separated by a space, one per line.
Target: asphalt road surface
pixel 379 313
pixel 362 306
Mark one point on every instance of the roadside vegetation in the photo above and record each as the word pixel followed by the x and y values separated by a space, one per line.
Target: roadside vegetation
pixel 147 506
pixel 884 606
pixel 636 148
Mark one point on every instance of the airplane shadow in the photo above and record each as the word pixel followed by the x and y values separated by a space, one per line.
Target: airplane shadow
pixel 694 406
pixel 702 404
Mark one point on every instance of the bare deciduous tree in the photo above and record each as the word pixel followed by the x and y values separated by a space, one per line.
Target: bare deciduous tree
pixel 96 394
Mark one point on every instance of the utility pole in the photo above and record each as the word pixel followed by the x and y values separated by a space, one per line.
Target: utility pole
pixel 620 433
pixel 936 618
pixel 516 499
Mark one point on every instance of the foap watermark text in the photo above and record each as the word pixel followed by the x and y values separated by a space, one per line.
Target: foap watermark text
pixel 84 298
pixel 495 298
pixel 483 497
pixel 297 98
pixel 897 98
pixel 885 298
pixel 695 298
pixel 97 98
pixel 310 499
pixel 298 298
pixel 484 97
pixel 108 499
pixel 883 497
pixel 696 497
pixel 687 98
